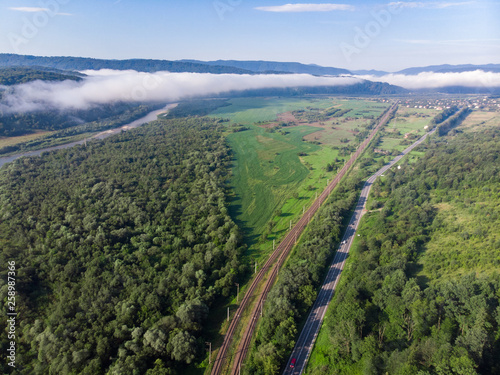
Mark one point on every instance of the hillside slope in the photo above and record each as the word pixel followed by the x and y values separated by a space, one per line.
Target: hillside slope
pixel 275 66
pixel 140 65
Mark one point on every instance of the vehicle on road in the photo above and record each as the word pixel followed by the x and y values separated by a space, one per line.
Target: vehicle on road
pixel 292 364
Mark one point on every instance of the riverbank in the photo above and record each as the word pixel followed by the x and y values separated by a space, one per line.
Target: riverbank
pixel 101 135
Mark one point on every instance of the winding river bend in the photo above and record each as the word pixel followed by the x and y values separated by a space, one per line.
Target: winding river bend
pixel 134 124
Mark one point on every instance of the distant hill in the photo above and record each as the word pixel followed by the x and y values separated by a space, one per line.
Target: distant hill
pixel 140 65
pixel 446 68
pixel 465 90
pixel 275 66
pixel 362 89
pixel 372 72
pixel 15 75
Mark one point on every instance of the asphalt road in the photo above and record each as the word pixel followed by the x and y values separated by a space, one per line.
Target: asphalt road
pixel 307 337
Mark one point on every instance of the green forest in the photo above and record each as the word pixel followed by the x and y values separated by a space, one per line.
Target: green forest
pixel 420 293
pixel 16 124
pixel 121 249
pixel 17 75
pixel 77 132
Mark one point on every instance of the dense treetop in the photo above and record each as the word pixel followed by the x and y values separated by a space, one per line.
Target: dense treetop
pixel 76 121
pixel 121 249
pixel 16 75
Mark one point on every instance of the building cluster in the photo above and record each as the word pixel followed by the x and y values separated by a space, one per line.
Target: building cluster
pixel 484 103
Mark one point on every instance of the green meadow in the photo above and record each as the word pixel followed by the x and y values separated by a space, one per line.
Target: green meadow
pixel 278 174
pixel 248 111
pixel 270 180
pixel 408 121
pixel 362 107
pixel 12 141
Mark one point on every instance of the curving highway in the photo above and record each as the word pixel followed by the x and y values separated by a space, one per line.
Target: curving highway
pixel 307 337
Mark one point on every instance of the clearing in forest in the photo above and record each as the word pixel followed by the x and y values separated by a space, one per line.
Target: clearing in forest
pixel 292 148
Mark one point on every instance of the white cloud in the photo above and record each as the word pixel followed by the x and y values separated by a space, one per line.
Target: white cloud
pixel 455 42
pixel 107 86
pixel 37 10
pixel 29 9
pixel 329 7
pixel 429 5
pixel 430 80
pixel 306 8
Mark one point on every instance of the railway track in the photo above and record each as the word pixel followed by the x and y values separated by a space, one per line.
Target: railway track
pixel 280 254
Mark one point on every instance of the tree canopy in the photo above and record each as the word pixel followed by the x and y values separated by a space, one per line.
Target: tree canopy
pixel 121 248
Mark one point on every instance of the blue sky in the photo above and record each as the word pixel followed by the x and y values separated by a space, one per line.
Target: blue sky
pixel 354 35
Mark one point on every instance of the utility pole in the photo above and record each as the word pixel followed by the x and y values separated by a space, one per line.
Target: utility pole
pixel 228 314
pixel 290 224
pixel 209 351
pixel 303 209
pixel 274 243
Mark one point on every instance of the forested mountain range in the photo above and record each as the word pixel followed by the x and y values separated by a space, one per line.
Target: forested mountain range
pixel 446 68
pixel 216 67
pixel 140 65
pixel 150 65
pixel 363 88
pixel 275 66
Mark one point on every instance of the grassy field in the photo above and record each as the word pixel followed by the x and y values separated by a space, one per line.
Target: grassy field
pixel 362 108
pixel 480 120
pixel 349 124
pixel 248 111
pixel 11 141
pixel 408 122
pixel 272 184
pixel 466 226
pixel 442 256
pixel 266 171
pixel 276 175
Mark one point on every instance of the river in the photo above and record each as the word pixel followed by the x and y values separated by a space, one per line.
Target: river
pixel 134 124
